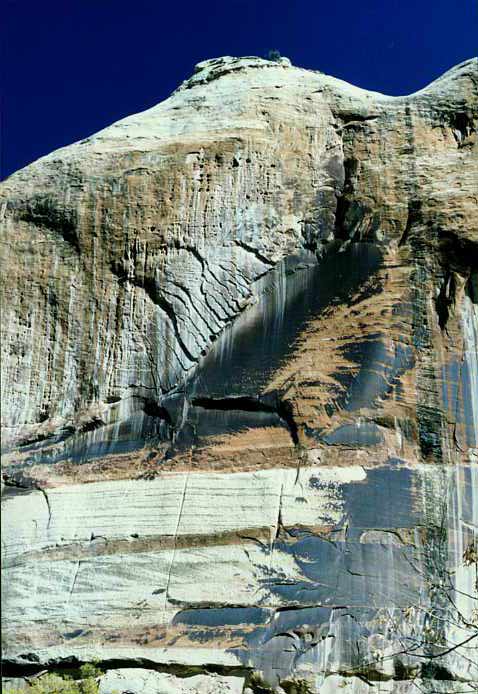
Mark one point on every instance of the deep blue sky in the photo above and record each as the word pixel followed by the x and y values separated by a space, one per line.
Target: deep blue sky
pixel 71 67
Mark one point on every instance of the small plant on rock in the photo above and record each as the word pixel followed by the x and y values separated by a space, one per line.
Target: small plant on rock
pixel 274 55
pixel 65 684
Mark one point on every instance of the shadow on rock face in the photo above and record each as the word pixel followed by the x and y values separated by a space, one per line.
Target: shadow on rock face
pixel 232 377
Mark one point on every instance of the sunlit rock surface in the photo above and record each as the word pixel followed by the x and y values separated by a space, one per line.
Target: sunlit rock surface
pixel 240 391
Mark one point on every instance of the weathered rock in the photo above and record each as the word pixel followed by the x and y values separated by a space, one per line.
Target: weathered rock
pixel 240 390
pixel 138 681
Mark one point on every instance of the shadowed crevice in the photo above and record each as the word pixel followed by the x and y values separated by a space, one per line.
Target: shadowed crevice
pixel 250 404
pixel 71 664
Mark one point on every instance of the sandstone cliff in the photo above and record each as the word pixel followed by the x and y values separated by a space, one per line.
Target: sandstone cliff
pixel 240 390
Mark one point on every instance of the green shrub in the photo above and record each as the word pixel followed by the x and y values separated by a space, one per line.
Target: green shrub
pixel 55 683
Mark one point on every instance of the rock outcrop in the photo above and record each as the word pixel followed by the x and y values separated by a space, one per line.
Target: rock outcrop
pixel 240 391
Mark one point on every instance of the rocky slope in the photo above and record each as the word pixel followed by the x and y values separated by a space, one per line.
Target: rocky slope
pixel 240 391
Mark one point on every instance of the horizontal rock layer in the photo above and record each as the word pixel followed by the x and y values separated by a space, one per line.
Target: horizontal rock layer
pixel 240 391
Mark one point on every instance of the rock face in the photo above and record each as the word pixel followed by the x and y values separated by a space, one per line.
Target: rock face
pixel 240 391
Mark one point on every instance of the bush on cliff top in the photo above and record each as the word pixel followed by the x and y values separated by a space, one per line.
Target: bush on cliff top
pixel 274 55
